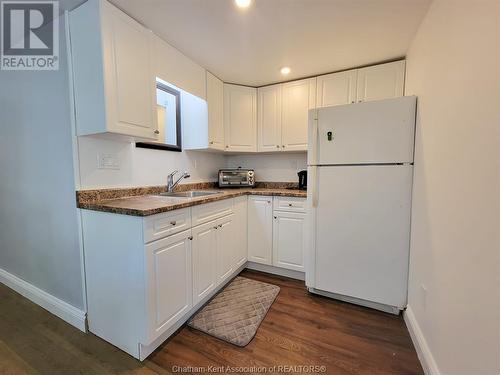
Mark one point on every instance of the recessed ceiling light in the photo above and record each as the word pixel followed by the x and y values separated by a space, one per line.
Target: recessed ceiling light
pixel 285 70
pixel 243 3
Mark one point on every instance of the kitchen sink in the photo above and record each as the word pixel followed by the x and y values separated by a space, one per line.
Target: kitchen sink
pixel 190 193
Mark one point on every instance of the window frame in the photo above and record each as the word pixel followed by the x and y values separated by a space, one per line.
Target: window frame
pixel 178 124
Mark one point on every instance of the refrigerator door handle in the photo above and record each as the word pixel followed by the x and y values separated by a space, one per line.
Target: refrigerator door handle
pixel 314 140
pixel 314 192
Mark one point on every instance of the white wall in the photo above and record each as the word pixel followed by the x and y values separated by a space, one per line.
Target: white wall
pixel 38 216
pixel 453 66
pixel 141 167
pixel 280 167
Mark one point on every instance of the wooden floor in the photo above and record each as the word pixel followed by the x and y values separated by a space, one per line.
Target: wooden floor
pixel 300 329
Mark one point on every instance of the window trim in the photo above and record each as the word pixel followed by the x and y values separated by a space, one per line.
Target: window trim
pixel 178 126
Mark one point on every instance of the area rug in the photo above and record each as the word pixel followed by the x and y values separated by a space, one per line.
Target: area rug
pixel 234 315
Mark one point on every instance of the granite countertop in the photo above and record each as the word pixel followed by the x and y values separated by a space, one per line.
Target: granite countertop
pixel 147 201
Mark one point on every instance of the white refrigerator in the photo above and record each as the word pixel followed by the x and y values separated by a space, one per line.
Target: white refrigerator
pixel 360 168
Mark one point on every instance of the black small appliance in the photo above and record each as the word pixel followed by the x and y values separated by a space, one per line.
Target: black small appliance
pixel 302 180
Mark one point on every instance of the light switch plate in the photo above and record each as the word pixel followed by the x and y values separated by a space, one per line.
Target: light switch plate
pixel 107 161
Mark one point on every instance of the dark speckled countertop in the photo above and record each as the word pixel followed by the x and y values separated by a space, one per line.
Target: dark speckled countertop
pixel 147 201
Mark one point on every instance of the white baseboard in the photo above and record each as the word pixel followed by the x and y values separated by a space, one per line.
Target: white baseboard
pixel 276 270
pixel 423 351
pixel 54 305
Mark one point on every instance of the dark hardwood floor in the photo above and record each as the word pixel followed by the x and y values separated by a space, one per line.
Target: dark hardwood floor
pixel 300 329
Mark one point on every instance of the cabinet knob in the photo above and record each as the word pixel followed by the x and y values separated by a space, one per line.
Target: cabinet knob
pixel 190 238
pixel 290 205
pixel 157 132
pixel 173 223
pixel 277 146
pixel 353 102
pixel 215 227
pixel 275 217
pixel 211 142
pixel 220 225
pixel 227 146
pixel 283 146
pixel 268 201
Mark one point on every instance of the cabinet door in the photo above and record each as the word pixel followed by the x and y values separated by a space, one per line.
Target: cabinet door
pixel 297 98
pixel 381 81
pixel 260 229
pixel 269 118
pixel 336 88
pixel 173 66
pixel 240 228
pixel 240 118
pixel 204 260
pixel 130 81
pixel 226 237
pixel 215 99
pixel 169 282
pixel 289 240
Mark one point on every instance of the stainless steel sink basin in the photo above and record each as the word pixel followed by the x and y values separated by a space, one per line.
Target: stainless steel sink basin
pixel 190 193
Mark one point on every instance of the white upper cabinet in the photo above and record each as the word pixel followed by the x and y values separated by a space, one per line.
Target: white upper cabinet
pixel 113 78
pixel 381 81
pixel 298 98
pixel 336 88
pixel 240 118
pixel 174 67
pixel 269 118
pixel 215 100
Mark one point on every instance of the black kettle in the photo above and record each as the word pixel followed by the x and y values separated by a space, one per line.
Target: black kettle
pixel 302 180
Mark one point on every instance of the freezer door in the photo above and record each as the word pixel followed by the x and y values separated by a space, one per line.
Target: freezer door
pixel 362 229
pixel 365 133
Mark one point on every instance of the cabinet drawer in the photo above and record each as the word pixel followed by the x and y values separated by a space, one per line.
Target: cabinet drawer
pixel 289 204
pixel 163 225
pixel 210 211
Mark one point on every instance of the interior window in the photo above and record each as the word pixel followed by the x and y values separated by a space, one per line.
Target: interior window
pixel 168 113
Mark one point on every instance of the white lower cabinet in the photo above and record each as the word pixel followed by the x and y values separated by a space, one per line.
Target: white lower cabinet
pixel 204 261
pixel 168 282
pixel 289 240
pixel 147 275
pixel 240 208
pixel 276 231
pixel 260 229
pixel 225 239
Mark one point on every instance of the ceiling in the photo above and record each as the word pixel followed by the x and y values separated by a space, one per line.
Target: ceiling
pixel 249 46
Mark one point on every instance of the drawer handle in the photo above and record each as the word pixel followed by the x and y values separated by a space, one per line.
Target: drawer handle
pixel 173 223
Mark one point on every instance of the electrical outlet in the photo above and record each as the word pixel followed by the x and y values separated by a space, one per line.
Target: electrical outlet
pixel 107 161
pixel 423 296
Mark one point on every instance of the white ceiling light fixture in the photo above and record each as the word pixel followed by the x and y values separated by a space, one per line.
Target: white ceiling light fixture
pixel 285 70
pixel 242 3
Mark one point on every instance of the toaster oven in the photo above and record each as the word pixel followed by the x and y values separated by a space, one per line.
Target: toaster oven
pixel 236 177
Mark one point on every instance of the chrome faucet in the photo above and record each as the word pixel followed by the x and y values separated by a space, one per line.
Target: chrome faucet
pixel 170 180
